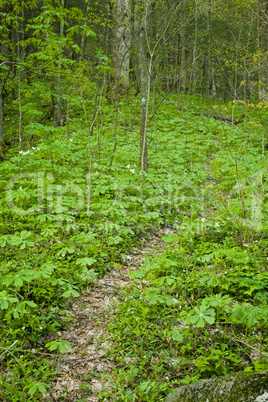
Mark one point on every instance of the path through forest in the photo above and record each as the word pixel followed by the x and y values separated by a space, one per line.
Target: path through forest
pixel 90 314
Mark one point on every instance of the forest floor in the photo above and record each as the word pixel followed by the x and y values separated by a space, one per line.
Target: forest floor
pixel 90 310
pixel 87 358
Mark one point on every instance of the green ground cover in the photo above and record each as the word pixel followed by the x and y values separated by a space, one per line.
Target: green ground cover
pixel 67 216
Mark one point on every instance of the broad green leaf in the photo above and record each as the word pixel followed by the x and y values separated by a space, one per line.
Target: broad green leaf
pixel 177 335
pixel 70 293
pixel 84 262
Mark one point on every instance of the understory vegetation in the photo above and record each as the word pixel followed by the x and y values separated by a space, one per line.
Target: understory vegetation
pixel 199 308
pixel 122 121
pixel 72 207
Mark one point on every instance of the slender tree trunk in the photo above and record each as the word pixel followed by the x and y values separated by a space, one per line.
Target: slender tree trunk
pixel 121 42
pixel 135 56
pixel 207 67
pixel 20 110
pixel 68 115
pixel 91 128
pixel 59 121
pixel 195 48
pixel 183 48
pixel 19 89
pixel 1 113
pixel 83 40
pixel 115 134
pixel 145 87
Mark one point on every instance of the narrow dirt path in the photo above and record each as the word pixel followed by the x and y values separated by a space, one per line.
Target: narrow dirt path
pixel 88 333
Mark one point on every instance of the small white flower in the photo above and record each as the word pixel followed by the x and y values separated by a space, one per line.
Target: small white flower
pixel 70 139
pixel 33 147
pixel 127 167
pixel 23 327
pixel 41 327
pixel 132 170
pixel 217 224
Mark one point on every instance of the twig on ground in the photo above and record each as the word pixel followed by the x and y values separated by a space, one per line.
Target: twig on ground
pixel 7 350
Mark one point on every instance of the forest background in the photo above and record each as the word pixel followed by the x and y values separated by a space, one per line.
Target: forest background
pixel 118 118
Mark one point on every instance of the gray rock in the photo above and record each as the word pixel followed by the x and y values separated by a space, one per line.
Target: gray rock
pixel 237 387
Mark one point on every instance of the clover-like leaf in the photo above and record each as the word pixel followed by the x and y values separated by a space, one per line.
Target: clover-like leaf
pixel 60 345
pixel 6 299
pixel 40 386
pixel 84 262
pixel 203 315
pixel 177 336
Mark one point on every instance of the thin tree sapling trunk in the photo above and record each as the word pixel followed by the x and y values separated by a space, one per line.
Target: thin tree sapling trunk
pixel 145 89
pixel 1 114
pixel 59 121
pixel 183 50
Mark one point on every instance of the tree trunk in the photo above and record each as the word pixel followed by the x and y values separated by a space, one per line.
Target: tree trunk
pixel 145 88
pixel 195 48
pixel 263 47
pixel 1 113
pixel 183 55
pixel 19 89
pixel 205 85
pixel 20 111
pixel 121 42
pixel 59 121
pixel 135 56
pixel 83 40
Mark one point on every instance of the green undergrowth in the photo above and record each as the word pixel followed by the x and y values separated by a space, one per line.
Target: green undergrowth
pixel 198 309
pixel 68 216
